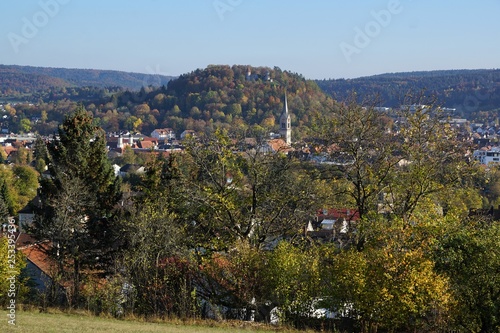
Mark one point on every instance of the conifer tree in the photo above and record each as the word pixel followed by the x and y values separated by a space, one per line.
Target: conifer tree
pixel 79 198
pixel 4 209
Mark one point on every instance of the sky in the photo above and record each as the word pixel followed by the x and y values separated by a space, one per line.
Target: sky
pixel 319 39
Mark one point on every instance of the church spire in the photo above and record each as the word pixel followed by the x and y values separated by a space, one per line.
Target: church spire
pixel 285 109
pixel 285 124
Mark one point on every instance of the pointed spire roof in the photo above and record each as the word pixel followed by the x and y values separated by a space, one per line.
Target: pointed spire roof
pixel 285 108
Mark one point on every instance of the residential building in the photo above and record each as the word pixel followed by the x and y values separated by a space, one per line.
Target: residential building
pixel 487 155
pixel 188 133
pixel 163 134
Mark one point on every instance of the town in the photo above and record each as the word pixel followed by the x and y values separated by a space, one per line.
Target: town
pixel 219 214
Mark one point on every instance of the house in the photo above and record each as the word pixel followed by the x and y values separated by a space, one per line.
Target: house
pixel 9 150
pixel 487 155
pixel 147 144
pixel 274 146
pixel 163 134
pixel 255 77
pixel 128 169
pixel 40 267
pixel 332 225
pixel 187 134
pixel 27 213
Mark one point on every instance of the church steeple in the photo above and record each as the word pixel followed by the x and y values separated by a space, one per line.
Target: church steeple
pixel 285 124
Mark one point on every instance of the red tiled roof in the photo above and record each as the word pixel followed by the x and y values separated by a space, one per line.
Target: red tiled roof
pixel 278 145
pixel 335 214
pixel 24 240
pixel 149 139
pixel 37 254
pixel 9 149
pixel 145 144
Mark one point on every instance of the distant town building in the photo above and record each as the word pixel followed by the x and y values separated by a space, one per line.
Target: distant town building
pixel 486 156
pixel 381 109
pixel 187 134
pixel 414 107
pixel 163 134
pixel 254 77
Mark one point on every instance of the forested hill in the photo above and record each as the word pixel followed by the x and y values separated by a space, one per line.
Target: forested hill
pixel 15 80
pixel 466 90
pixel 226 95
pixel 202 100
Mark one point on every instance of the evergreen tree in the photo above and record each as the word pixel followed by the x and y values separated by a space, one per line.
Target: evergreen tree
pixel 4 209
pixel 79 198
pixel 7 198
pixel 40 155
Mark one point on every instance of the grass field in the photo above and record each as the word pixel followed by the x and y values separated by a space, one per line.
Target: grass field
pixel 33 321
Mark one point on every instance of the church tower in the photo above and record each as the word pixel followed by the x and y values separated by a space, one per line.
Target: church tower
pixel 285 124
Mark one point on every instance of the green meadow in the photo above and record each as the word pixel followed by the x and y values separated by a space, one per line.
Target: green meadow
pixel 58 322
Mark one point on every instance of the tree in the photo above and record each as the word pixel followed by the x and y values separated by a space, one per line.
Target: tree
pixel 156 256
pixel 133 123
pixel 293 278
pixel 4 210
pixel 128 156
pixel 68 229
pixel 392 171
pixel 25 125
pixel 469 254
pixel 254 196
pixel 156 261
pixel 232 206
pixel 142 110
pixel 8 191
pixel 236 279
pixel 356 139
pixel 80 172
pixel 23 156
pixel 431 162
pixel 25 183
pixel 11 264
pixel 44 116
pixel 393 282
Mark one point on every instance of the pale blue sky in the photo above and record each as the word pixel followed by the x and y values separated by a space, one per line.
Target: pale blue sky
pixel 317 38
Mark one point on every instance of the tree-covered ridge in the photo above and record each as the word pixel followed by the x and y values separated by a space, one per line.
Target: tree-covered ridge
pixel 15 80
pixel 226 96
pixel 218 96
pixel 466 90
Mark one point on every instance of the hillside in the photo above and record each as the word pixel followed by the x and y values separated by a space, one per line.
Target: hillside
pixel 468 91
pixel 217 96
pixel 227 95
pixel 15 80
